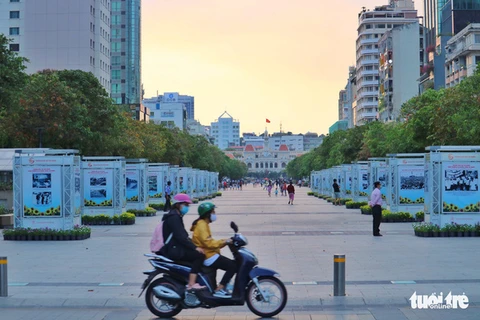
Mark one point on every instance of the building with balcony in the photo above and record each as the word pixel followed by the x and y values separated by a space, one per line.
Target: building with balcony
pixel 462 55
pixel 312 140
pixel 188 102
pixel 60 35
pixel 225 131
pixel 399 68
pixel 371 26
pixel 444 19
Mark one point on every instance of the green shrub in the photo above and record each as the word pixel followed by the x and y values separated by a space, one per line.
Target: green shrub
pixel 355 205
pixel 218 194
pixel 157 206
pixel 310 193
pixel 420 216
pixel 144 212
pixel 366 209
pixel 127 218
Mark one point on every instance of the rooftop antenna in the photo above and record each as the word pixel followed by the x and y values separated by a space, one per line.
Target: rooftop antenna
pixel 281 131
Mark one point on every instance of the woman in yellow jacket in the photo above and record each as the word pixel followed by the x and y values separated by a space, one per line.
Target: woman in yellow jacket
pixel 202 237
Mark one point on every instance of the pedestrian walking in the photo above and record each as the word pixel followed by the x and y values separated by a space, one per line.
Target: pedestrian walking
pixel 168 194
pixel 269 189
pixel 291 193
pixel 336 193
pixel 276 192
pixel 376 205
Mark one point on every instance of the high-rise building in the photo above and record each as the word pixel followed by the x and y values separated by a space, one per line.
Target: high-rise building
pixel 60 34
pixel 401 58
pixel 225 131
pixel 126 51
pixel 371 26
pixel 443 19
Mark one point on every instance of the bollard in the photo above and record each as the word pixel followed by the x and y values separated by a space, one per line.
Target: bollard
pixel 339 275
pixel 3 277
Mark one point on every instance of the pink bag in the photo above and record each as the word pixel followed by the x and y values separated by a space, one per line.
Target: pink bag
pixel 157 239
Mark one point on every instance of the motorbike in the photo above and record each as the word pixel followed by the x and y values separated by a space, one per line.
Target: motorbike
pixel 260 288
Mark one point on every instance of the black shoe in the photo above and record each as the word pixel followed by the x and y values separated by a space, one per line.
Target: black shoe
pixel 378 235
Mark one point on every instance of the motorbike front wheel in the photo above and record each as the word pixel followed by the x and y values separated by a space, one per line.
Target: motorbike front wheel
pixel 276 297
pixel 159 307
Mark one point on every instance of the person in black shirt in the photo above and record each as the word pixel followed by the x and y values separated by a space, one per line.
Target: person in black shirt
pixel 336 192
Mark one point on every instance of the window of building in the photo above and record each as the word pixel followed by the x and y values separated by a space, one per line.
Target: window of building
pixel 368 26
pixel 380 26
pixel 477 38
pixel 14 0
pixel 15 31
pixel 14 14
pixel 116 74
pixel 14 47
pixel 116 46
pixel 116 5
pixel 152 114
pixel 116 20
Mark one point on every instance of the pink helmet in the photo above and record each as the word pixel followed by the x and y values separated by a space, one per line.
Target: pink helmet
pixel 181 198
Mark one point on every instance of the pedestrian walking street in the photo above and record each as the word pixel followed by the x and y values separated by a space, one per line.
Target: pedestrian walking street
pixel 100 278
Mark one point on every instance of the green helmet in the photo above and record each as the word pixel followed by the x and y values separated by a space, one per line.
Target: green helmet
pixel 205 208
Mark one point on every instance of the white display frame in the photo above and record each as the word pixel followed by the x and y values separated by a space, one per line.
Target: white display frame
pixel 359 168
pixel 436 161
pixel 346 184
pixel 64 164
pixel 396 163
pixel 160 171
pixel 117 166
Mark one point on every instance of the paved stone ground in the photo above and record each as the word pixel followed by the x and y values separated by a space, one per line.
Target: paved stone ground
pixel 99 278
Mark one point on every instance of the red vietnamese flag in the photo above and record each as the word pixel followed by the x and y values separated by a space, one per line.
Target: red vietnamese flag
pixel 268 121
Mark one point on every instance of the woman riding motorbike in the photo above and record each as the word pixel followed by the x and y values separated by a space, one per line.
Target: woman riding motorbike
pixel 180 247
pixel 202 237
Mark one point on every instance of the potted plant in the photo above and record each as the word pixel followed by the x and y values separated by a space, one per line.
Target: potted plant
pixel 419 216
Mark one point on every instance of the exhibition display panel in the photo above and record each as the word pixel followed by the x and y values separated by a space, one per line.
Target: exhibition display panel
pixel 136 183
pixel 346 182
pixel 157 180
pixel 46 189
pixel 406 181
pixel 360 181
pixel 452 193
pixel 103 185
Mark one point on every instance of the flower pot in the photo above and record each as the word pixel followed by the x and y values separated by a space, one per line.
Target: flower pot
pixel 435 234
pixel 443 234
pixel 460 233
pixel 5 237
pixel 22 238
pixel 452 234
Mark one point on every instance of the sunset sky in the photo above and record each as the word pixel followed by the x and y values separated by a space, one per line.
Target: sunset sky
pixel 278 59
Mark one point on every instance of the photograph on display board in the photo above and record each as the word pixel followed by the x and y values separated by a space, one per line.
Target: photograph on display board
pixel 181 184
pixel 364 185
pixel 412 182
pixel 460 187
pixel 42 180
pixel 42 198
pixel 132 186
pixel 153 187
pixel 78 198
pixel 42 193
pixel 98 181
pixel 98 188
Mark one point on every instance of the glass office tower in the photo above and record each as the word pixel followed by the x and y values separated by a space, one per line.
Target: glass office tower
pixel 126 52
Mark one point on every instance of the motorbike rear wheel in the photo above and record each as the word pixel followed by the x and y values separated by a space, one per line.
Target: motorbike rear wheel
pixel 276 293
pixel 159 307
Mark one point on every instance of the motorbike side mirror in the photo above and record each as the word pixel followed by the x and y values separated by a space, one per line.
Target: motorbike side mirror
pixel 234 226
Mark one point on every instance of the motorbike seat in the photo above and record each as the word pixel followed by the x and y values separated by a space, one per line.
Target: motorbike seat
pixel 205 269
